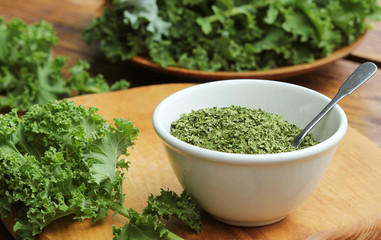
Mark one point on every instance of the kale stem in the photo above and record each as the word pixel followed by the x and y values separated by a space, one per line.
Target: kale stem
pixel 120 209
pixel 172 236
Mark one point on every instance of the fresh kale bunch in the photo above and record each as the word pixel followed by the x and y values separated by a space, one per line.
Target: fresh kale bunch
pixel 229 35
pixel 60 159
pixel 29 74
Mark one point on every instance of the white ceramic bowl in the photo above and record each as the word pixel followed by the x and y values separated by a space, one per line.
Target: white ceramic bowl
pixel 243 189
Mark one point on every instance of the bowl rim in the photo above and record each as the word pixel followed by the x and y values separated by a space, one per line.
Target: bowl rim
pixel 238 158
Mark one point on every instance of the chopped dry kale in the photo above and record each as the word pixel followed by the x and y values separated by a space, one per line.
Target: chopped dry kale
pixel 237 129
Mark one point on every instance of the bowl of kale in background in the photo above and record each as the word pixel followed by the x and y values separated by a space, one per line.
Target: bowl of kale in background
pixel 251 189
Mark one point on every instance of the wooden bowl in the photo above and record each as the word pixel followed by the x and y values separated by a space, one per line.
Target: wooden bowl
pixel 275 74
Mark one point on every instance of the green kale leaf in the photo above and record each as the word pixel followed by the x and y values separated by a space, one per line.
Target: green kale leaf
pixel 230 35
pixel 148 226
pixel 44 174
pixel 169 203
pixel 60 159
pixel 141 227
pixel 29 74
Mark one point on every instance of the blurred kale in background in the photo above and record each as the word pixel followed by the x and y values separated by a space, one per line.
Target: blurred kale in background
pixel 30 74
pixel 229 35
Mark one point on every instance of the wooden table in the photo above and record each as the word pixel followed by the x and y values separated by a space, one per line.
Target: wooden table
pixel 70 17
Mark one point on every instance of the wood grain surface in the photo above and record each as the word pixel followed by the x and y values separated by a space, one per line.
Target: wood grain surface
pixel 370 47
pixel 347 201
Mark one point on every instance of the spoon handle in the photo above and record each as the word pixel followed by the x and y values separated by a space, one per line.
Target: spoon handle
pixel 355 80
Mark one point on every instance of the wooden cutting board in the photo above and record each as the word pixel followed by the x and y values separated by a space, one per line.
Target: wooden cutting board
pixel 347 203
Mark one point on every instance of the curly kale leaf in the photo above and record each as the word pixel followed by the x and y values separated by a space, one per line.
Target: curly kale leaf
pixel 169 203
pixel 29 74
pixel 144 12
pixel 49 169
pixel 81 82
pixel 60 159
pixel 230 35
pixel 111 30
pixel 110 146
pixel 141 227
pixel 148 226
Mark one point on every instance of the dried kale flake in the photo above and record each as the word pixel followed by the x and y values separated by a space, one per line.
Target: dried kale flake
pixel 238 129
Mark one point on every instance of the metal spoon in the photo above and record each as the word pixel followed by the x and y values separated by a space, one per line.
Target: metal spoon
pixel 355 80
